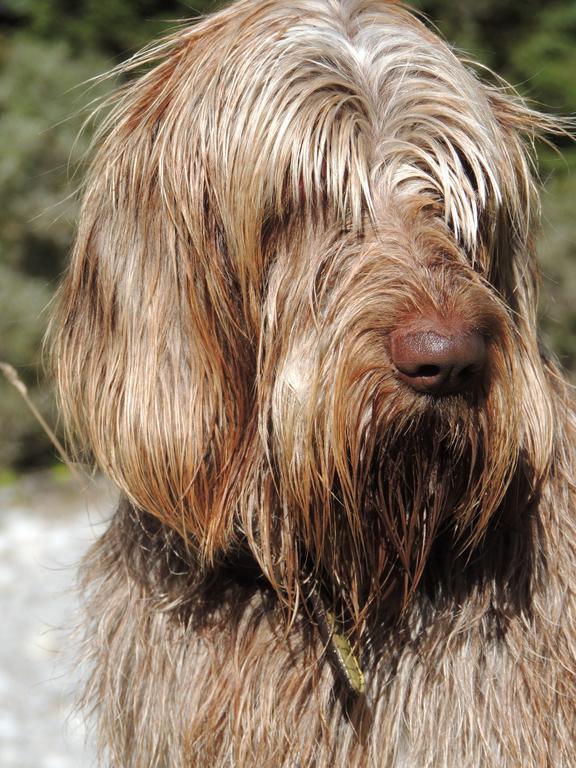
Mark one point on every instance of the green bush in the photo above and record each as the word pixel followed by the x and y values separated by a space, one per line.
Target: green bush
pixel 557 252
pixel 41 109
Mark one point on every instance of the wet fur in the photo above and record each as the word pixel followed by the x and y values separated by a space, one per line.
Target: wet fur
pixel 289 183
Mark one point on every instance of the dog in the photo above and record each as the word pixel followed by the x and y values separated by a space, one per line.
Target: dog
pixel 298 332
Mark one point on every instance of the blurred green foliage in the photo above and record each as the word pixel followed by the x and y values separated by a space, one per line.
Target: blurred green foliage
pixel 49 49
pixel 37 144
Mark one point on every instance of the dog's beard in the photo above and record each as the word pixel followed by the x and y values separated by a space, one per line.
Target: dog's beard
pixel 439 472
pixel 365 492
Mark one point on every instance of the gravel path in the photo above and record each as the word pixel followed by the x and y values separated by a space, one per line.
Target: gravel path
pixel 46 524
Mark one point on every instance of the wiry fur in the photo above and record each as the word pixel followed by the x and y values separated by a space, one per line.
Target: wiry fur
pixel 287 185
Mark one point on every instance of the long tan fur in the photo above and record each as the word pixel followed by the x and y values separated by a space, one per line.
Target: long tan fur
pixel 289 183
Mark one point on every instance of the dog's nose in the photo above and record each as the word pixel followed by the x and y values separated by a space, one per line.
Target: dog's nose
pixel 437 360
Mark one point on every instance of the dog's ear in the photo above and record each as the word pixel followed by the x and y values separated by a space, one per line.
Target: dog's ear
pixel 514 270
pixel 153 338
pixel 516 221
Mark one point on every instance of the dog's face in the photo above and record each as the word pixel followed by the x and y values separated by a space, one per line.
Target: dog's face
pixel 300 314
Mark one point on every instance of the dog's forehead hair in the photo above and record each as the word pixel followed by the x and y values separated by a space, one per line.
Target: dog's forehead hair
pixel 359 102
pixel 271 109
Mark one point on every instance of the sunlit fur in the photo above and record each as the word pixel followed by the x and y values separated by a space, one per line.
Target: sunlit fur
pixel 290 182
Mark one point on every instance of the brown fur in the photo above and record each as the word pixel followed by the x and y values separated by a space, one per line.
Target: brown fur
pixel 287 185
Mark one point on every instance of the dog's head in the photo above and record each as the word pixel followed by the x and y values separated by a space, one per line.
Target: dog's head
pixel 300 314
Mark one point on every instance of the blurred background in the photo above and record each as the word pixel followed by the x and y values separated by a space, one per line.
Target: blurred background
pixel 49 50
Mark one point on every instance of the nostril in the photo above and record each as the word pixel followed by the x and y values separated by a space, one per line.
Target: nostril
pixel 467 372
pixel 427 371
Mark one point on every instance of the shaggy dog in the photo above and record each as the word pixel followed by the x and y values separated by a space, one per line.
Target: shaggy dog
pixel 299 333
